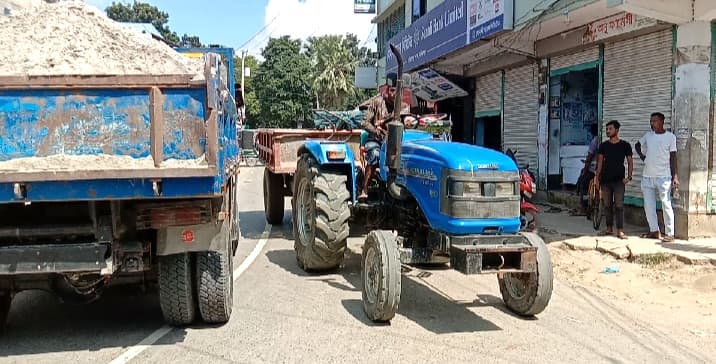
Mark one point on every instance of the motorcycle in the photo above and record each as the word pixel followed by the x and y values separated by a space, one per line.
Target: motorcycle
pixel 528 188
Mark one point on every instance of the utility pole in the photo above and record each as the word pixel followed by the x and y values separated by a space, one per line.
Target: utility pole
pixel 243 84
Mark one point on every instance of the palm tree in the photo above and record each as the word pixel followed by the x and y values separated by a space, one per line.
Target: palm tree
pixel 333 70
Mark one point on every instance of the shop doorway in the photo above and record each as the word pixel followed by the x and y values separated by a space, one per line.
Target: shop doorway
pixel 573 112
pixel 488 132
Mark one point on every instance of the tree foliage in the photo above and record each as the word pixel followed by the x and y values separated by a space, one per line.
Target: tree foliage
pixel 282 83
pixel 334 59
pixel 140 12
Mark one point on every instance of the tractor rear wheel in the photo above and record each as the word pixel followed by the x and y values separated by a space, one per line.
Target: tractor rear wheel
pixel 527 294
pixel 320 216
pixel 273 197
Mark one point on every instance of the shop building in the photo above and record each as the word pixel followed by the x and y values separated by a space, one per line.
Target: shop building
pixel 541 74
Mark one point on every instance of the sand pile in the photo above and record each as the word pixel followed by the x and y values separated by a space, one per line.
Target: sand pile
pixel 74 38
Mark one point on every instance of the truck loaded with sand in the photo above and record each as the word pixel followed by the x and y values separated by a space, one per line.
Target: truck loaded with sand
pixel 118 163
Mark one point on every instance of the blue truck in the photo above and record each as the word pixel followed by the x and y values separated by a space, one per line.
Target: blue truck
pixel 109 180
pixel 433 201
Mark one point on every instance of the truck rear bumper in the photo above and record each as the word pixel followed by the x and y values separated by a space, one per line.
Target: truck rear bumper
pixel 481 254
pixel 53 258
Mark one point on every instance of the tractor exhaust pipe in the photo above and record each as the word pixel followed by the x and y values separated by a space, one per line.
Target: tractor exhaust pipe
pixel 395 133
pixel 396 127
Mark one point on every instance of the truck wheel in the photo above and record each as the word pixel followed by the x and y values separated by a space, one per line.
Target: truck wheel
pixel 273 197
pixel 176 289
pixel 5 302
pixel 380 273
pixel 320 216
pixel 527 294
pixel 215 285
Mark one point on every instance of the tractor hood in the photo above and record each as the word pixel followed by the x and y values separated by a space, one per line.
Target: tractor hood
pixel 456 156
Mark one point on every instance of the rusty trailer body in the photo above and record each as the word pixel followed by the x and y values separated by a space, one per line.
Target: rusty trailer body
pixel 278 148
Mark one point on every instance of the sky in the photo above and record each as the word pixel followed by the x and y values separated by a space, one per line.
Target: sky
pixel 248 24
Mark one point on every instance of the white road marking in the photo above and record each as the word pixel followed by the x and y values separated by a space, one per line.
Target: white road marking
pixel 150 340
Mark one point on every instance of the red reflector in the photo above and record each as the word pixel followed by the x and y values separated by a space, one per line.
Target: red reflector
pixel 187 236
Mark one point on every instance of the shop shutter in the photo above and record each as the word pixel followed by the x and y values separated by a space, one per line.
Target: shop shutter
pixel 521 114
pixel 488 92
pixel 572 59
pixel 638 82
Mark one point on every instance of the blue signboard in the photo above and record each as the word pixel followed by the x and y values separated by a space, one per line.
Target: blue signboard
pixel 487 17
pixel 448 27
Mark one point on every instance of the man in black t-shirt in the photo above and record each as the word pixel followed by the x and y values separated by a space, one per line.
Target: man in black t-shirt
pixel 611 177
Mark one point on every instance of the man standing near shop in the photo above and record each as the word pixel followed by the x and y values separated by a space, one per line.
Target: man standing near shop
pixel 611 177
pixel 659 176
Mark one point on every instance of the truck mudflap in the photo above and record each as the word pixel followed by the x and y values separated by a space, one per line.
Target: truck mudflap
pixel 54 258
pixel 193 238
pixel 481 254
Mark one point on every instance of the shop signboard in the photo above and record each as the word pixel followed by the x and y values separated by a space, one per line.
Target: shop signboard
pixel 364 6
pixel 435 34
pixel 431 86
pixel 487 17
pixel 616 25
pixel 451 25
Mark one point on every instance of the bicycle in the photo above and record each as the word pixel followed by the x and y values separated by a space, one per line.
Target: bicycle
pixel 595 205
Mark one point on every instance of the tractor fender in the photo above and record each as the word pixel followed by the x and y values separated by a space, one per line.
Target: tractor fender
pixel 319 150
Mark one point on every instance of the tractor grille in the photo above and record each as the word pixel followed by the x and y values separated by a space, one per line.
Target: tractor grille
pixel 480 195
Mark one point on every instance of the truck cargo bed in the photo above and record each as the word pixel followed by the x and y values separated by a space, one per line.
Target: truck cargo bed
pixel 63 129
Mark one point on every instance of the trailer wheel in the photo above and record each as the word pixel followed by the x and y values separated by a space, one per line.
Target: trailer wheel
pixel 527 294
pixel 320 216
pixel 273 197
pixel 215 285
pixel 176 289
pixel 380 273
pixel 5 302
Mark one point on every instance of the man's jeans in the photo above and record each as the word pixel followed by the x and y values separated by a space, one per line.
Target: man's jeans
pixel 652 187
pixel 613 198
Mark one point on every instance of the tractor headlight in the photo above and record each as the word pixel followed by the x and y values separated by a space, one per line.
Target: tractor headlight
pixel 504 189
pixel 464 189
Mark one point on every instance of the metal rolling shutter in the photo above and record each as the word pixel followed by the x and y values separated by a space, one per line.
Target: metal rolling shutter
pixel 573 59
pixel 638 82
pixel 488 92
pixel 521 113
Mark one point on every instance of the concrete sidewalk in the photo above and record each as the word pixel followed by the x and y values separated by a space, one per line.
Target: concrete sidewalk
pixel 580 235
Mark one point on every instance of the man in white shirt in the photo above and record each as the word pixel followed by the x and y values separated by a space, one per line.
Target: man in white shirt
pixel 659 175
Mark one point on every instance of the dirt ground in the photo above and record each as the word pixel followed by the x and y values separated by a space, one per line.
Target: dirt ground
pixel 657 289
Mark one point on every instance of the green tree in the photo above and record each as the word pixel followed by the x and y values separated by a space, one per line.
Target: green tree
pixel 140 12
pixel 282 84
pixel 334 67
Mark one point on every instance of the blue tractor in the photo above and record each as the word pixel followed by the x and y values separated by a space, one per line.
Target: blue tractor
pixel 432 201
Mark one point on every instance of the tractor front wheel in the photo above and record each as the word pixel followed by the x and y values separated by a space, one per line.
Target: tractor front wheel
pixel 527 294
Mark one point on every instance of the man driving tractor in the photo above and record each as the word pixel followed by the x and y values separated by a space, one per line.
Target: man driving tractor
pixel 378 112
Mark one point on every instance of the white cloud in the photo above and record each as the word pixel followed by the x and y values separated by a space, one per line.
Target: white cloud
pixel 304 18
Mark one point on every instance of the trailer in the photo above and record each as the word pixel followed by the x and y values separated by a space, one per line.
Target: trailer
pixel 279 150
pixel 109 180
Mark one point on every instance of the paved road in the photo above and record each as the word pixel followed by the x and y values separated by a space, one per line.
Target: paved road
pixel 284 315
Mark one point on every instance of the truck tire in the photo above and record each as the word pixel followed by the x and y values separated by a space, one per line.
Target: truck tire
pixel 176 289
pixel 5 302
pixel 215 285
pixel 527 294
pixel 380 273
pixel 273 197
pixel 320 216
